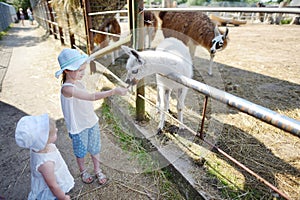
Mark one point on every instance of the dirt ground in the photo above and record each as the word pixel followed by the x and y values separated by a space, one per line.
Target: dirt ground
pixel 260 64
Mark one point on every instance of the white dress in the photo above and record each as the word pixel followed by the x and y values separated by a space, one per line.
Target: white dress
pixel 39 188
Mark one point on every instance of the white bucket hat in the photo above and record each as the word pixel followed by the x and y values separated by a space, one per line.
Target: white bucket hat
pixel 70 59
pixel 32 132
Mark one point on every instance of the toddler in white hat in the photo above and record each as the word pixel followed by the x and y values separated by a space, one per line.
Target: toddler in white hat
pixel 50 176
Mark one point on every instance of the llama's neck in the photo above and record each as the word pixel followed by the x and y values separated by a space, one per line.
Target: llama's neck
pixel 162 62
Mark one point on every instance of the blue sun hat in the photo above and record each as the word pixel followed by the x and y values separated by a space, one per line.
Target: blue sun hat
pixel 70 59
pixel 32 132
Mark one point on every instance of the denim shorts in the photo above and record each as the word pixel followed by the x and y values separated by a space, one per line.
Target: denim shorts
pixel 87 140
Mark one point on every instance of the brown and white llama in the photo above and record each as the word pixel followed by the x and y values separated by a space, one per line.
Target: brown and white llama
pixel 109 25
pixel 150 27
pixel 194 28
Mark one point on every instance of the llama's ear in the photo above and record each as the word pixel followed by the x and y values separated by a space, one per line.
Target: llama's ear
pixel 129 51
pixel 226 33
pixel 216 31
pixel 126 49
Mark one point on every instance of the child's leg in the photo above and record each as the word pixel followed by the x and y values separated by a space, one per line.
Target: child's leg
pixel 85 176
pixel 94 146
pixel 99 175
pixel 96 162
pixel 80 162
pixel 94 150
pixel 80 142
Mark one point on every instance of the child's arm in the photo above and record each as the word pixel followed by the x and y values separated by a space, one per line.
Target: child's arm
pixel 47 170
pixel 69 91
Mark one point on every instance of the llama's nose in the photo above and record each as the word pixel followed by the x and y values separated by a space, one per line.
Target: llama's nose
pixel 128 81
pixel 131 82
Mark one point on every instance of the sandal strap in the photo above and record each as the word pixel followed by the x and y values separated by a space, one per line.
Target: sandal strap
pixel 86 177
pixel 100 175
pixel 82 172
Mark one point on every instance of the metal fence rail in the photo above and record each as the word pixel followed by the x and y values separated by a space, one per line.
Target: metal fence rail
pixel 264 114
pixel 232 9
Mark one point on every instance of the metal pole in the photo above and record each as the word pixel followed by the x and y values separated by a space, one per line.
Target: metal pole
pixel 203 117
pixel 231 9
pixel 266 115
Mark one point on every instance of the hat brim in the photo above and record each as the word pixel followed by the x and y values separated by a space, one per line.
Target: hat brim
pixel 33 132
pixel 73 65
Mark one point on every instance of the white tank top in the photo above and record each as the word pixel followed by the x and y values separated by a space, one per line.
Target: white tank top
pixel 79 114
pixel 39 188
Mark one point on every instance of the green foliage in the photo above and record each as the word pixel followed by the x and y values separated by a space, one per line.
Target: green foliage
pixel 286 21
pixel 135 146
pixel 196 2
pixel 21 4
pixel 128 142
pixel 3 33
pixel 181 1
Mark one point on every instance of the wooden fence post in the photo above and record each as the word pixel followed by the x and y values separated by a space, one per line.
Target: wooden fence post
pixel 61 35
pixel 89 34
pixel 47 17
pixel 138 43
pixel 52 19
pixel 88 25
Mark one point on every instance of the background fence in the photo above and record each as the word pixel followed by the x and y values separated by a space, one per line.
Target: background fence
pixel 7 15
pixel 70 23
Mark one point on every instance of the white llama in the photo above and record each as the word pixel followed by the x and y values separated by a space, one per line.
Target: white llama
pixel 170 56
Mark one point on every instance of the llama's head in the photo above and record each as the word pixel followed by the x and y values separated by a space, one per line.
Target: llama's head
pixel 134 66
pixel 219 41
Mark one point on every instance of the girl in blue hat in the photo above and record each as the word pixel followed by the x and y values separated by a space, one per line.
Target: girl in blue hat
pixel 78 111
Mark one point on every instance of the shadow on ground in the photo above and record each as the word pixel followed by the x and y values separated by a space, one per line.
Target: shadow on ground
pixel 16 39
pixel 14 166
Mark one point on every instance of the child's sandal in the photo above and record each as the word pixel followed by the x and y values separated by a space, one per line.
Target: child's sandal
pixel 86 177
pixel 102 179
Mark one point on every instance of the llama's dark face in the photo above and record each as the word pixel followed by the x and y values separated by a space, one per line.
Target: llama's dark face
pixel 218 41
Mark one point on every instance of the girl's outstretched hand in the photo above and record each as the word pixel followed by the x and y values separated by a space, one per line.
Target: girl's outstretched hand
pixel 120 91
pixel 67 197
